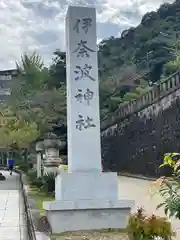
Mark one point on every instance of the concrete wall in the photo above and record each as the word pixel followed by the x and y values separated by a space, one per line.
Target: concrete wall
pixel 135 138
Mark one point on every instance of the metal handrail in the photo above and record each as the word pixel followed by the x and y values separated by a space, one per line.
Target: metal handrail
pixel 29 221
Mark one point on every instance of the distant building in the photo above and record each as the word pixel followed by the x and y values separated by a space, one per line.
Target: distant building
pixel 5 81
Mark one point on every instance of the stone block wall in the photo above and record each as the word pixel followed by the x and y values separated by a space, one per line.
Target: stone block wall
pixel 140 132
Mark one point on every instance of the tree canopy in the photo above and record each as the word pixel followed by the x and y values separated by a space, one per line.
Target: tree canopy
pixel 34 104
pixel 149 52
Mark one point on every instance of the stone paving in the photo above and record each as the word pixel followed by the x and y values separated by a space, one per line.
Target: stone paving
pixel 12 218
pixel 139 190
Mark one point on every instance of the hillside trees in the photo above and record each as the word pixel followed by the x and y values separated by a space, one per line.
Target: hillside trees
pixel 57 70
pixel 32 99
pixel 171 67
pixel 148 52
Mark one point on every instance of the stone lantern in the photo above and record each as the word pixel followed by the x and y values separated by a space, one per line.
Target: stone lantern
pixel 39 150
pixel 52 144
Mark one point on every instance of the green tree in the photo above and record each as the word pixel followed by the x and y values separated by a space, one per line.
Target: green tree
pixel 57 70
pixel 15 132
pixel 171 67
pixel 168 187
pixel 31 98
pixel 32 74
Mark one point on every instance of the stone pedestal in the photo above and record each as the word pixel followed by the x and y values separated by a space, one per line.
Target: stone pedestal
pixel 87 214
pixel 86 198
pixel 87 201
pixel 86 185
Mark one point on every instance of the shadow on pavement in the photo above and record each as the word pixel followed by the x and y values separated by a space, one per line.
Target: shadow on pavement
pixel 12 181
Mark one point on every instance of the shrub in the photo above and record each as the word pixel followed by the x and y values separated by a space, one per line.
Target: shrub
pixel 130 96
pixel 23 167
pixel 37 182
pixel 33 180
pixel 168 187
pixel 32 174
pixel 171 67
pixel 49 182
pixel 136 226
pixel 142 227
pixel 159 227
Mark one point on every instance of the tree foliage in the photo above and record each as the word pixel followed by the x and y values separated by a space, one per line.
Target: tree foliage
pixel 146 53
pixel 169 187
pixel 171 67
pixel 31 98
pixel 57 70
pixel 16 133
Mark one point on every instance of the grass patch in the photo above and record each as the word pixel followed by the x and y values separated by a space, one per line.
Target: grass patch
pixel 40 197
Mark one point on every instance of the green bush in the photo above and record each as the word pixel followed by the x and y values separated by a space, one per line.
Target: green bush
pixel 33 180
pixel 130 96
pixel 46 183
pixel 142 90
pixel 49 182
pixel 142 227
pixel 32 174
pixel 23 167
pixel 37 182
pixel 171 67
pixel 168 187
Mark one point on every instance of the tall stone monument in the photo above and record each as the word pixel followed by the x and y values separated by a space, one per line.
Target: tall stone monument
pixel 86 198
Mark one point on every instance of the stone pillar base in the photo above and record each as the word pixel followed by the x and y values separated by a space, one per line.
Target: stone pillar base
pixel 86 185
pixel 87 214
pixel 87 200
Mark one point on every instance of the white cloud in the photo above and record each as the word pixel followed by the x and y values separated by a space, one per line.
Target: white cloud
pixel 28 25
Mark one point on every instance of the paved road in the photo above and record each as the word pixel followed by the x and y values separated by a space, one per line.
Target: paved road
pixel 139 190
pixel 12 224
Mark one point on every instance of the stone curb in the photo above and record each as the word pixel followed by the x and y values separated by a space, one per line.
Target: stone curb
pixel 30 226
pixel 33 234
pixel 137 176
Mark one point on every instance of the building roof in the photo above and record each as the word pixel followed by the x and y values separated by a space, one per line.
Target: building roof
pixel 9 72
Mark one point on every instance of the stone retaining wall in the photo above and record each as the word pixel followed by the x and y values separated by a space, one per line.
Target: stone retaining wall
pixel 145 129
pixel 155 94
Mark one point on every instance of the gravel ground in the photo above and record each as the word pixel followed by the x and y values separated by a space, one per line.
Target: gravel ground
pixel 91 235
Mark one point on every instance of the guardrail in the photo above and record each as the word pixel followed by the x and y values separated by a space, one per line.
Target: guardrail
pixel 154 94
pixel 30 225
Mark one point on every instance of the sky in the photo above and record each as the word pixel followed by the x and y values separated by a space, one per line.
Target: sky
pixel 38 25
